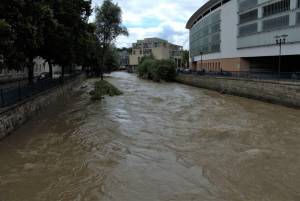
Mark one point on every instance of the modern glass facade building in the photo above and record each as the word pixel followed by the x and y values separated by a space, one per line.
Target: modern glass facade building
pixel 238 35
pixel 205 35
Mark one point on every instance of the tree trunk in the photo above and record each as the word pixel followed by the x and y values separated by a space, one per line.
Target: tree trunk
pixel 101 68
pixel 30 67
pixel 102 61
pixel 50 69
pixel 62 73
pixel 71 69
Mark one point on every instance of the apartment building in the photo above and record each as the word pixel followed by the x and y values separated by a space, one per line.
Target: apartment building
pixel 159 48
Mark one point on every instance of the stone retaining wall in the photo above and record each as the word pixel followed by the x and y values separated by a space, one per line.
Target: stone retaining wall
pixel 279 92
pixel 14 116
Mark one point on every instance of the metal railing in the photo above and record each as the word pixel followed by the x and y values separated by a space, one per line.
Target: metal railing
pixel 20 91
pixel 260 75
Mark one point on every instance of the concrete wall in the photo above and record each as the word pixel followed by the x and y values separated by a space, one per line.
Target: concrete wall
pixel 13 117
pixel 230 64
pixel 285 93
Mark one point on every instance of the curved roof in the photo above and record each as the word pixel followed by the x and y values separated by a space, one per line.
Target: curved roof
pixel 203 10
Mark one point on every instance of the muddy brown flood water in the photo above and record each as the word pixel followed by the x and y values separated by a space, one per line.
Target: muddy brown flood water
pixel 157 142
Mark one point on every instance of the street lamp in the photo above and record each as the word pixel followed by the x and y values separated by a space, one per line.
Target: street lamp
pixel 280 40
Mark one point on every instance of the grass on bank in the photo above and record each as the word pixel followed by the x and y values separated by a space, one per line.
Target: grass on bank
pixel 104 88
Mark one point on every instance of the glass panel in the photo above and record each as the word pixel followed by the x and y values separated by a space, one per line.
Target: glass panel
pixel 276 23
pixel 247 4
pixel 205 35
pixel 248 29
pixel 275 8
pixel 249 16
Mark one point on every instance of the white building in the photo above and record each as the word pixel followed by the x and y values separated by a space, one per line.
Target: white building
pixel 41 66
pixel 239 35
pixel 158 48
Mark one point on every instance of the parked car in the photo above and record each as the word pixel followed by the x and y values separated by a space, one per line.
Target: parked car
pixel 43 76
pixel 56 75
pixel 187 70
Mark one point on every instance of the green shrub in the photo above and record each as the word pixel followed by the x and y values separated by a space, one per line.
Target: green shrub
pixel 103 88
pixel 157 70
pixel 166 70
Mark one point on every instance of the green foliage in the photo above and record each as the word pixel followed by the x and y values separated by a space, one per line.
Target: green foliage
pixel 166 70
pixel 59 32
pixel 185 58
pixel 108 28
pixel 111 60
pixel 103 88
pixel 54 30
pixel 6 36
pixel 147 68
pixel 157 70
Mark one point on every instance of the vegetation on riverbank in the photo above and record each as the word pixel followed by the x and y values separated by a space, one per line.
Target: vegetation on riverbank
pixel 103 88
pixel 156 70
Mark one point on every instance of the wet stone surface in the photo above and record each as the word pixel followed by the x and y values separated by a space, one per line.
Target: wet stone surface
pixel 156 142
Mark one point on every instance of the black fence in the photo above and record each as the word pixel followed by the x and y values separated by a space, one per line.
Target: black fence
pixel 21 90
pixel 288 76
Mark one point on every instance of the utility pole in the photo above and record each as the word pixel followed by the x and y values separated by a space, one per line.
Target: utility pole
pixel 280 40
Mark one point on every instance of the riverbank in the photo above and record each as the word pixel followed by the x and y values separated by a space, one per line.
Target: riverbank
pixel 14 116
pixel 277 92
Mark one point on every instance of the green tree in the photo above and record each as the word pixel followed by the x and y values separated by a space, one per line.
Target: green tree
pixel 185 56
pixel 111 60
pixel 56 30
pixel 25 18
pixel 6 41
pixel 71 32
pixel 108 28
pixel 157 70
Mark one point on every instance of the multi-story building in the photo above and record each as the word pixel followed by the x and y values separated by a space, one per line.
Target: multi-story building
pixel 159 48
pixel 243 35
pixel 124 57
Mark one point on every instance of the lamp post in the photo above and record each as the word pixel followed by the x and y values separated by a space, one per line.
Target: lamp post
pixel 280 40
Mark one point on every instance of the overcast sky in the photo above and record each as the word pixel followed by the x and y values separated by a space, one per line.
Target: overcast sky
pixel 156 18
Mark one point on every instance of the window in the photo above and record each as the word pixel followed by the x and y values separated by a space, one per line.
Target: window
pixel 205 35
pixel 247 4
pixel 298 18
pixel 249 16
pixel 141 52
pixel 275 8
pixel 298 4
pixel 133 51
pixel 248 29
pixel 276 23
pixel 148 51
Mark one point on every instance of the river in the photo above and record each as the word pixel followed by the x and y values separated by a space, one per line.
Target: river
pixel 157 142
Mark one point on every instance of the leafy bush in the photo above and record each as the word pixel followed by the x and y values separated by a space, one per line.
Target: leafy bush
pixel 103 88
pixel 166 70
pixel 157 70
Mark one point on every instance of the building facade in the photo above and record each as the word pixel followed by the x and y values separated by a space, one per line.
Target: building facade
pixel 159 48
pixel 124 57
pixel 240 35
pixel 40 66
